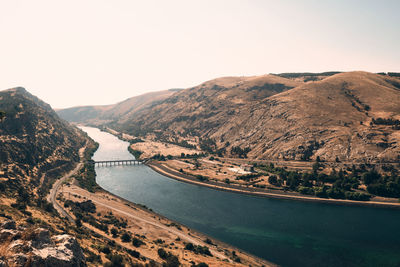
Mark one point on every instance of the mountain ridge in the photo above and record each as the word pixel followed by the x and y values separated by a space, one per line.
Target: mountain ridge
pixel 331 116
pixel 34 141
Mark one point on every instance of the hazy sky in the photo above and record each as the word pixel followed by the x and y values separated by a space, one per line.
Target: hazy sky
pixel 80 52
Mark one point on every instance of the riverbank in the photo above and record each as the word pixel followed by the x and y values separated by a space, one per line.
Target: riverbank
pixel 166 171
pixel 150 230
pixel 157 232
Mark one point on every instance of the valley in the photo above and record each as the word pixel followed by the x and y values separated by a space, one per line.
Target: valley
pixel 327 135
pixel 199 133
pixel 328 138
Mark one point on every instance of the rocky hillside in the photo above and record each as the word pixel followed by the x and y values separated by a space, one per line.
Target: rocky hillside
pixel 349 116
pixel 99 115
pixel 36 146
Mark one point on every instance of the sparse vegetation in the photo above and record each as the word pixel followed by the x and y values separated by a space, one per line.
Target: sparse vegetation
pixel 203 250
pixel 136 153
pixel 137 242
pixel 387 121
pixel 248 177
pixel 170 259
pixel 342 184
pixel 240 152
pixel 87 177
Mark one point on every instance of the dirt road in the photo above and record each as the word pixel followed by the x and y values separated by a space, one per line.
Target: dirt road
pixel 56 186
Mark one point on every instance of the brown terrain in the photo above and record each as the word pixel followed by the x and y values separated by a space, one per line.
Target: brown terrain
pixel 54 214
pixel 281 118
pixel 328 118
pixel 99 115
pixel 156 231
pixel 324 134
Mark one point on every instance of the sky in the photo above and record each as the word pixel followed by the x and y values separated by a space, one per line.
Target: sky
pixel 93 52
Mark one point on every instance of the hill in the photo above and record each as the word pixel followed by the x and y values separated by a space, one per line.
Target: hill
pixel 204 107
pixel 99 115
pixel 36 146
pixel 290 116
pixel 273 117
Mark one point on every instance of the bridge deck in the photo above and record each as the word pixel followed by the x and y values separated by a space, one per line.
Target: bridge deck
pixel 116 162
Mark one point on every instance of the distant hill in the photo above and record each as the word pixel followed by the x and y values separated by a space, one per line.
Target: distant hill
pixel 99 115
pixel 352 116
pixel 34 141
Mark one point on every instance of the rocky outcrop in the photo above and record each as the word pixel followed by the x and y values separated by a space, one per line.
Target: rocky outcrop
pixel 22 246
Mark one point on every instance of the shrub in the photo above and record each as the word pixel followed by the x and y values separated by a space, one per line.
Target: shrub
pixel 248 177
pixel 114 232
pixel 133 253
pixel 105 250
pixel 306 190
pixel 126 237
pixel 116 260
pixel 204 250
pixel 162 253
pixel 273 180
pixel 137 242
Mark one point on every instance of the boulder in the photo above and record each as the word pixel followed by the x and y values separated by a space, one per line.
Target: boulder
pixel 36 247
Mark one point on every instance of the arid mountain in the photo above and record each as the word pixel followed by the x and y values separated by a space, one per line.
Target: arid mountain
pixel 337 116
pixel 199 110
pixel 332 118
pixel 99 115
pixel 34 141
pixel 278 118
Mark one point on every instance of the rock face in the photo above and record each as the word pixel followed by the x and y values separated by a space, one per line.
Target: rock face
pixel 36 146
pixel 35 247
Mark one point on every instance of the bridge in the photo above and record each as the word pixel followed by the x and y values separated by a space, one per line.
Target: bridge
pixel 116 162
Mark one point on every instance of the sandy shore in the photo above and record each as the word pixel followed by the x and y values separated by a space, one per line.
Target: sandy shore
pixel 169 172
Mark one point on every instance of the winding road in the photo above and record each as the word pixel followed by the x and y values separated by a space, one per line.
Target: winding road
pixel 56 186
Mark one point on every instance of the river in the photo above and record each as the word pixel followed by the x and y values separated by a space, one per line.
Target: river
pixel 286 232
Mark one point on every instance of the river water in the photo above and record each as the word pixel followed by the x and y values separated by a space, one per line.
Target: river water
pixel 289 233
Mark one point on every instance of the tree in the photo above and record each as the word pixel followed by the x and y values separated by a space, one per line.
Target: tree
pixel 315 167
pixel 114 232
pixel 162 253
pixel 126 237
pixel 197 164
pixel 172 261
pixel 189 246
pixel 370 177
pixel 137 242
pixel 273 179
